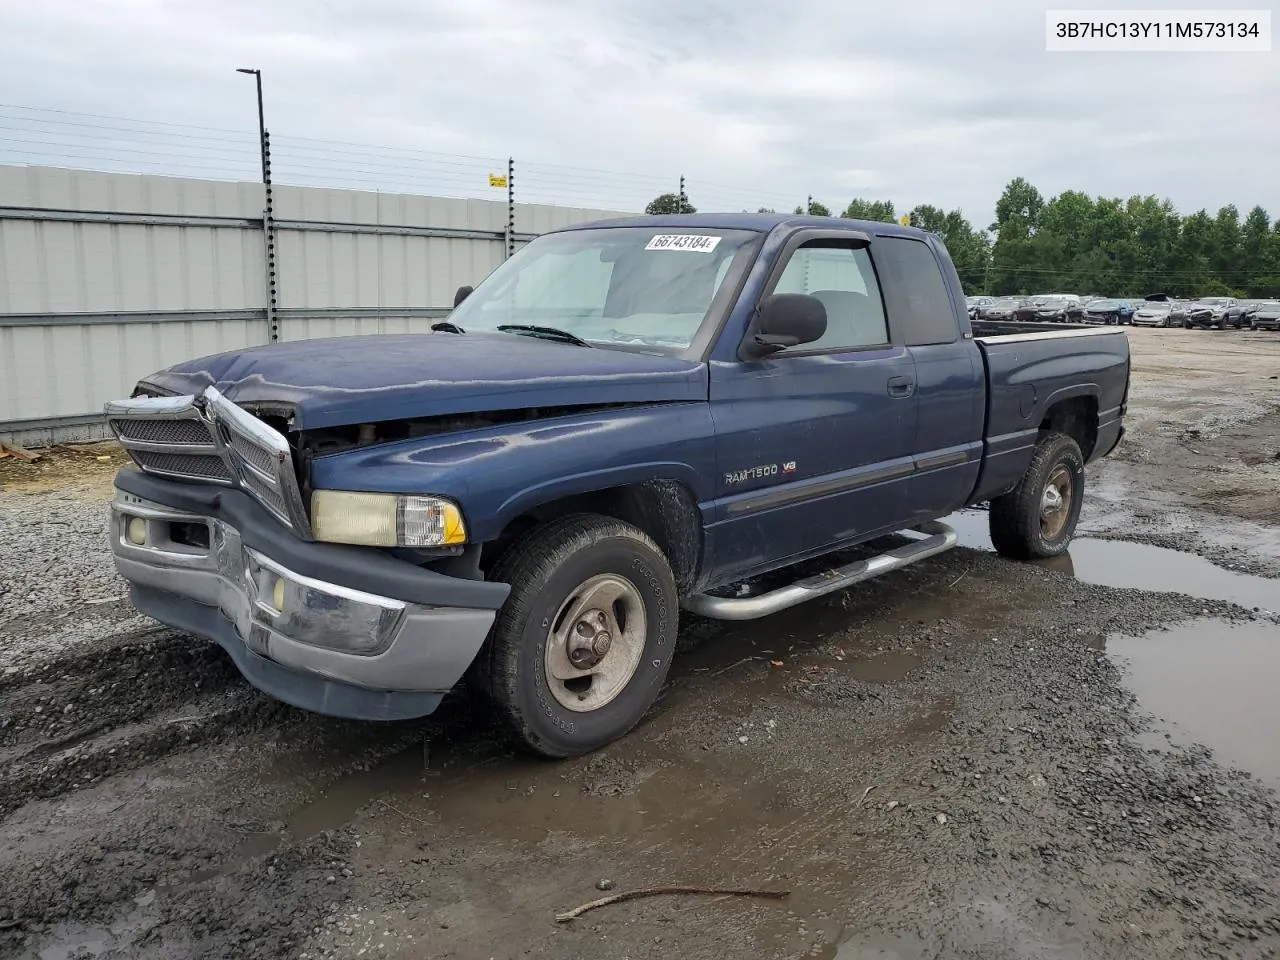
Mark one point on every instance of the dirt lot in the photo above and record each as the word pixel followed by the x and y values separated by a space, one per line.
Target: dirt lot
pixel 960 760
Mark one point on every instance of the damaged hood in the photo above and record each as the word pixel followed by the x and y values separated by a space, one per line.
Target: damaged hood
pixel 341 381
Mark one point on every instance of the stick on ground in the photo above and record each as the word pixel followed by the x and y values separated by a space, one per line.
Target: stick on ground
pixel 17 451
pixel 659 891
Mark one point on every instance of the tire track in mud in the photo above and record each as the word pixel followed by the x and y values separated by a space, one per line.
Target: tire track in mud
pixel 114 706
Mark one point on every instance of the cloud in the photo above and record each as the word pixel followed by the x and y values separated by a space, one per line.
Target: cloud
pixel 608 104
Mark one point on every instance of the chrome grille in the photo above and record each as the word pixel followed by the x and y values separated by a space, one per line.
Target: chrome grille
pixel 266 494
pixel 210 439
pixel 164 431
pixel 196 467
pixel 252 453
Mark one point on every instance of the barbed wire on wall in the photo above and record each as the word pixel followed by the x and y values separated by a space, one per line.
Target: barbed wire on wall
pixel 48 137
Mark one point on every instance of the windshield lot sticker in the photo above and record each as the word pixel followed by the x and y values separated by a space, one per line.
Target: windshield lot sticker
pixel 682 241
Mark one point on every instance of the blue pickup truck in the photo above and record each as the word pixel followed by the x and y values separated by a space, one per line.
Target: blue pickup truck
pixel 625 419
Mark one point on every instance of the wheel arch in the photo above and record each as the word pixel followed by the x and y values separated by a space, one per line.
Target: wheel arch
pixel 664 509
pixel 1074 412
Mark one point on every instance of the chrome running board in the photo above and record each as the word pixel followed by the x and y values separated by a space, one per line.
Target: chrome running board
pixel 936 537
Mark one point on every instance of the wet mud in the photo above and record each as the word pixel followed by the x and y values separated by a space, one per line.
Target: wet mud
pixel 968 758
pixel 1140 566
pixel 1211 684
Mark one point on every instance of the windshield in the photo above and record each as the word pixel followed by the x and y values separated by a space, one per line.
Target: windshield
pixel 1157 307
pixel 1102 305
pixel 631 287
pixel 1214 301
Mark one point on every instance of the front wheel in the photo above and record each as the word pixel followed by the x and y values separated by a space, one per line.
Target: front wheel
pixel 582 646
pixel 1038 517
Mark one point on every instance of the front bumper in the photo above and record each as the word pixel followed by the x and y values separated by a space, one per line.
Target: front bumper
pixel 356 633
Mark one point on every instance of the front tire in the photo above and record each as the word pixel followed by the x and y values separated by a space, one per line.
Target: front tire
pixel 1038 518
pixel 582 646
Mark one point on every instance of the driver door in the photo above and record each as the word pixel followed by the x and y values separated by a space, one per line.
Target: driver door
pixel 814 443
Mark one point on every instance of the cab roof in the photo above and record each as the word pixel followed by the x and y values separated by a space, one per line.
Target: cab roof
pixel 759 222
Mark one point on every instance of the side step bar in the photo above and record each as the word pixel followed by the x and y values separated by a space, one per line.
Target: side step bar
pixel 937 538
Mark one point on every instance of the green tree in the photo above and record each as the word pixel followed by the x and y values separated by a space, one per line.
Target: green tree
pixel 1224 247
pixel 970 250
pixel 928 217
pixel 816 209
pixel 669 203
pixel 877 211
pixel 1154 226
pixel 1190 272
pixel 1015 263
pixel 1021 204
pixel 1260 254
pixel 1255 248
pixel 1268 284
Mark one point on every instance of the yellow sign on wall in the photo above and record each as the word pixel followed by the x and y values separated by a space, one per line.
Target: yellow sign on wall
pixel 497 180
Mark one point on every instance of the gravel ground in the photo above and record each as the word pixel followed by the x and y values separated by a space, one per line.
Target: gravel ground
pixel 945 762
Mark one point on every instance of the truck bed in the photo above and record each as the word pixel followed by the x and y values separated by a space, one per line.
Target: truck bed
pixel 1045 374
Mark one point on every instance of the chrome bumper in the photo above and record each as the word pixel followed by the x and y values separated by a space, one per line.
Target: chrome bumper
pixel 314 643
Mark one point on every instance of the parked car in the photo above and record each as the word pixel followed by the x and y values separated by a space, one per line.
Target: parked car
pixel 529 494
pixel 1267 315
pixel 1177 312
pixel 1240 315
pixel 1050 310
pixel 1153 314
pixel 1002 308
pixel 973 304
pixel 1208 312
pixel 1105 311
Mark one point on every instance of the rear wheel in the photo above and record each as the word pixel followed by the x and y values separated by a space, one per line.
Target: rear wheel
pixel 580 649
pixel 1038 517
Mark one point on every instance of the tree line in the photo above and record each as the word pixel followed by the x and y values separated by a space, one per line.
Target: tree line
pixel 1077 243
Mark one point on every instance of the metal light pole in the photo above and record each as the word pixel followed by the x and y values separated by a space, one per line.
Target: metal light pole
pixel 268 221
pixel 262 123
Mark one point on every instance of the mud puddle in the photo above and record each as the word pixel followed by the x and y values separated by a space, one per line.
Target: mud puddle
pixel 1213 683
pixel 76 941
pixel 1139 566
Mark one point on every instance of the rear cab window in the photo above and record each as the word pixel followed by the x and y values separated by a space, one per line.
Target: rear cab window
pixel 915 292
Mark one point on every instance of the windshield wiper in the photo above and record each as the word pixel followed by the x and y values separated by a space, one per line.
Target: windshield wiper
pixel 549 333
pixel 444 326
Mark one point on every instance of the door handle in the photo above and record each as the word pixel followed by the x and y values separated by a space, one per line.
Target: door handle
pixel 901 386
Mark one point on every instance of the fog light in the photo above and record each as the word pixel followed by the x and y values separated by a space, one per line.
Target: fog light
pixel 136 531
pixel 277 595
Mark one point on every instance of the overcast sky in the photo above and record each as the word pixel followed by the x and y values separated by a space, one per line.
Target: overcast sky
pixel 756 103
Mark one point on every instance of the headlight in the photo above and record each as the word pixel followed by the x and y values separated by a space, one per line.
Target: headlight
pixel 385 519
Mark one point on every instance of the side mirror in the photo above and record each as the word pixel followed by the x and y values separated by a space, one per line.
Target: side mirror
pixel 462 294
pixel 784 320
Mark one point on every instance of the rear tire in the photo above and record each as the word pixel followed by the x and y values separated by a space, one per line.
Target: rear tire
pixel 1038 518
pixel 580 585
